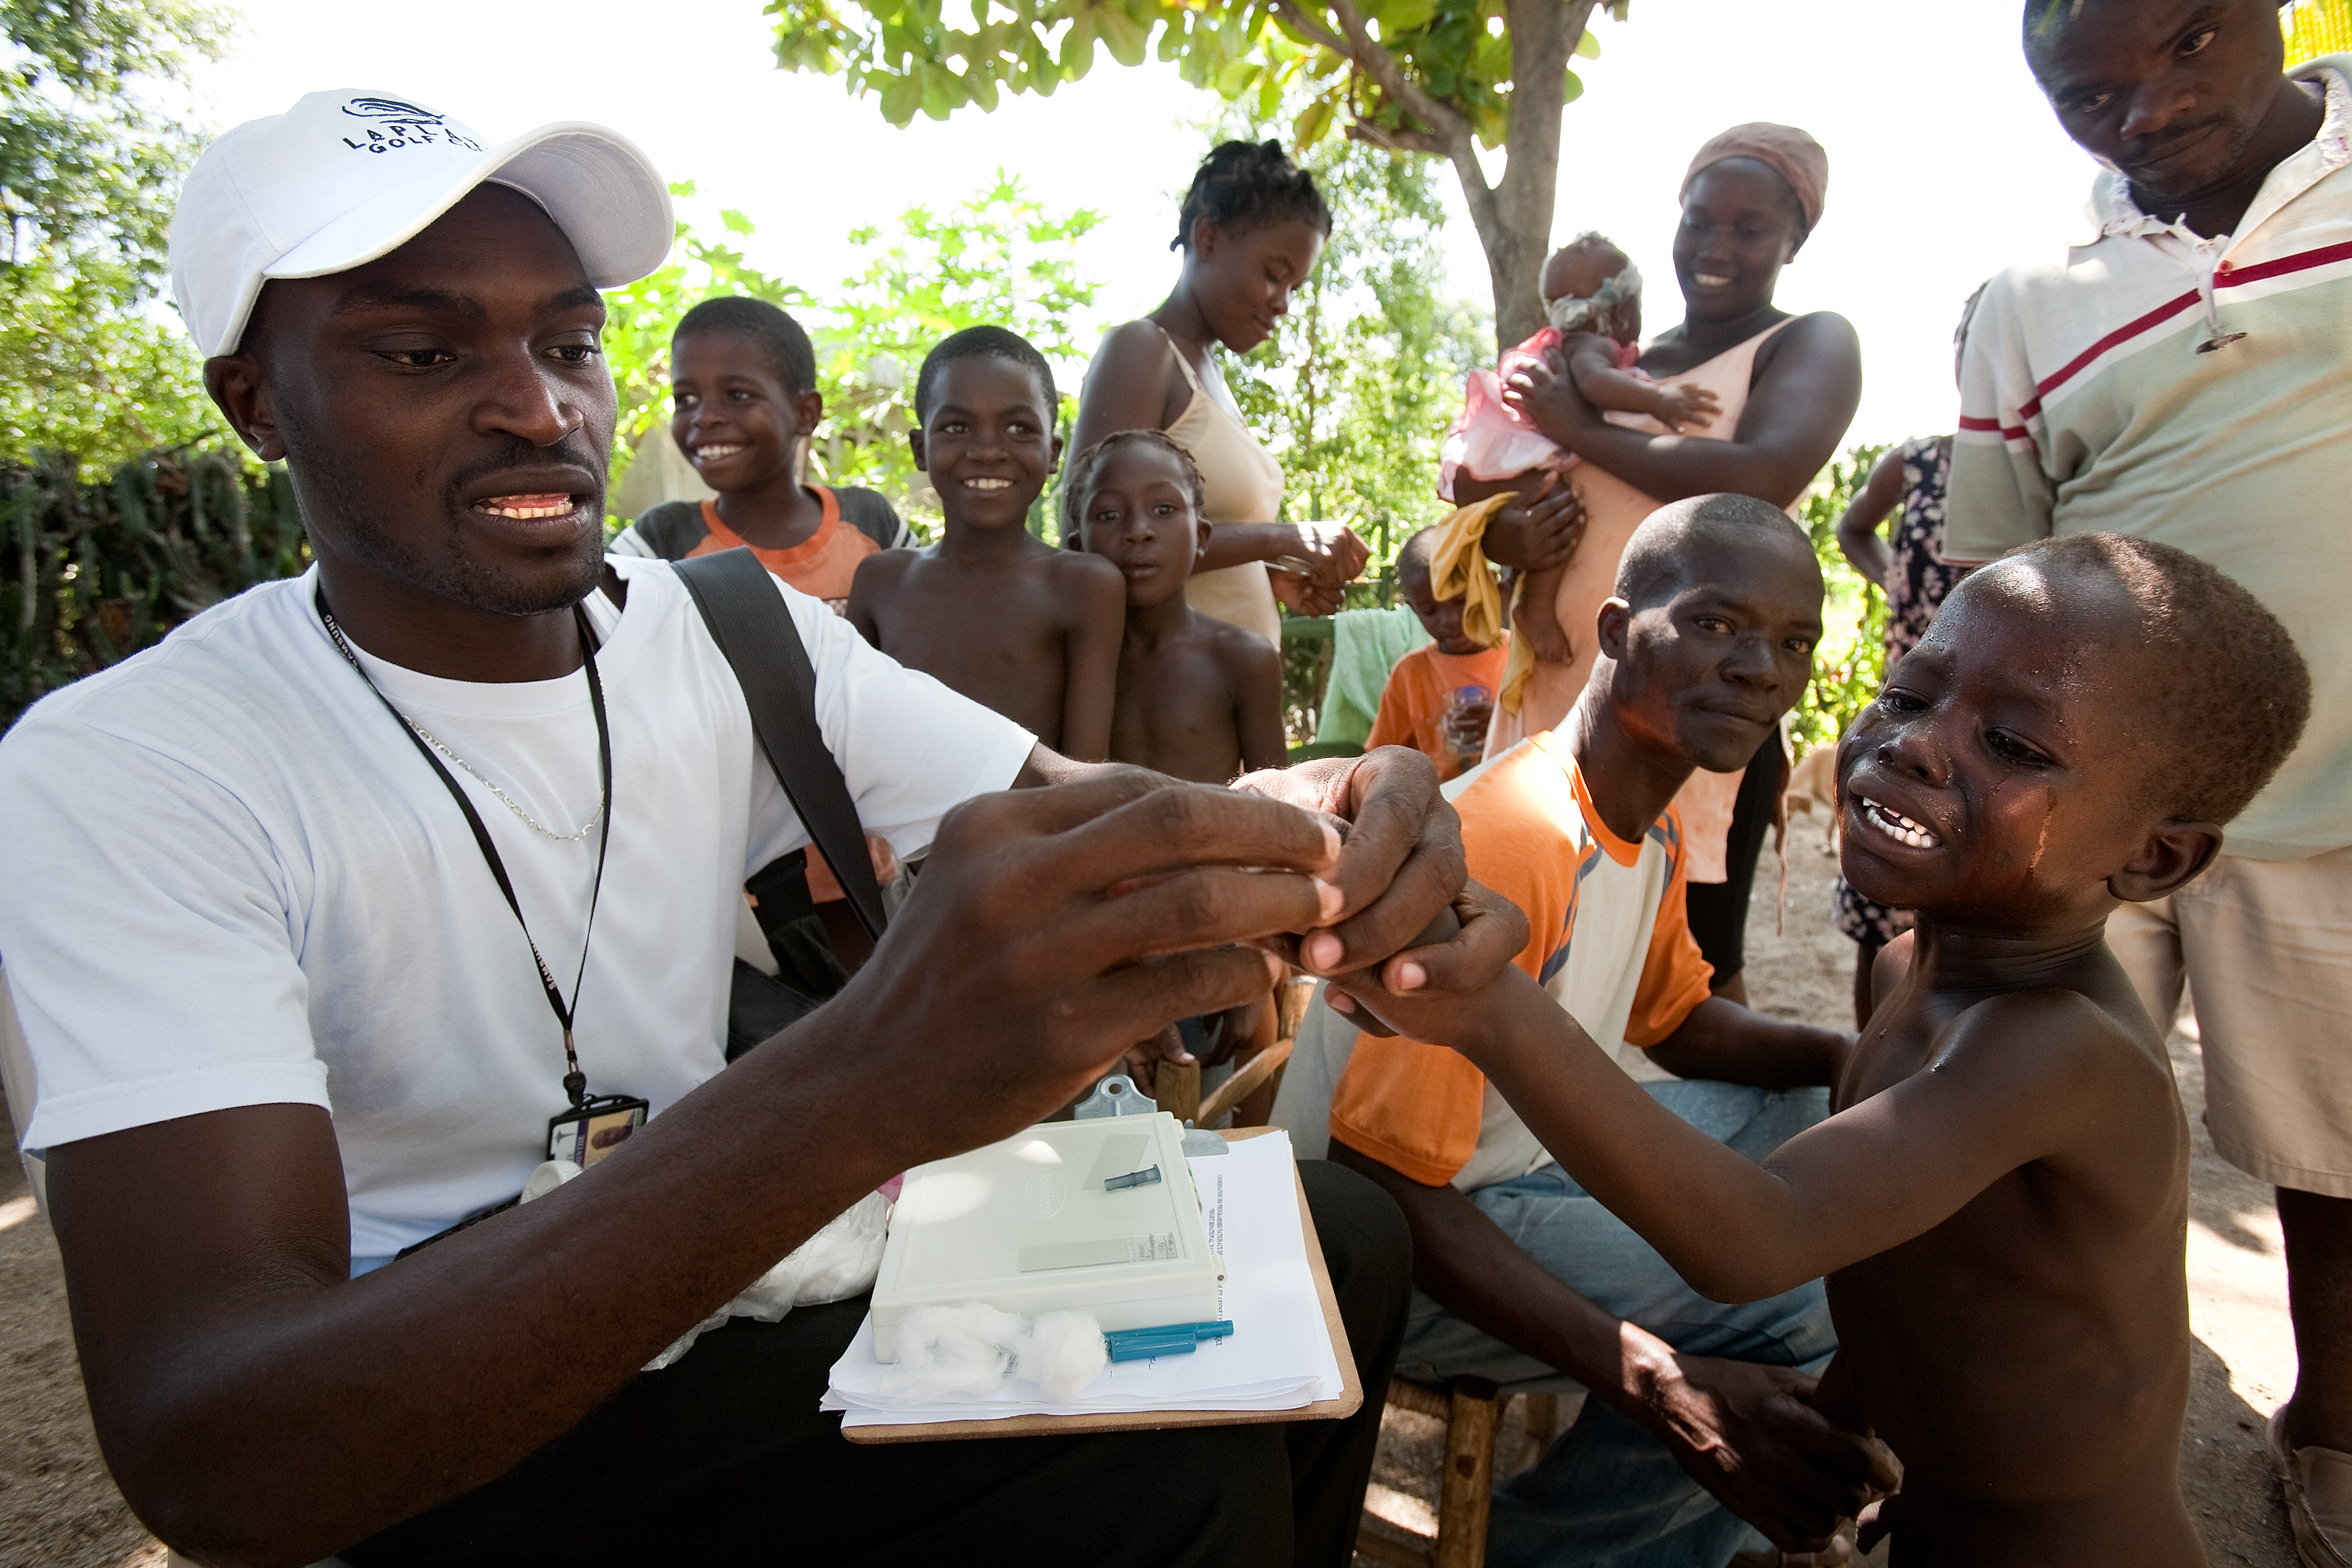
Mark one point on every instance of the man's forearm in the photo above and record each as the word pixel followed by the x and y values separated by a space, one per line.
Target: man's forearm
pixel 1721 1039
pixel 233 1431
pixel 1466 1264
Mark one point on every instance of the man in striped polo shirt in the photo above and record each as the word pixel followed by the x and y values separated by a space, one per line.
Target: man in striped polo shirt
pixel 2179 374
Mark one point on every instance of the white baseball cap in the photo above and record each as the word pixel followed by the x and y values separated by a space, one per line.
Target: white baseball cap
pixel 346 176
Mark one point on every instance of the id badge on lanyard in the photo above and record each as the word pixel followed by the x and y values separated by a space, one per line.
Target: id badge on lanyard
pixel 596 1124
pixel 588 1132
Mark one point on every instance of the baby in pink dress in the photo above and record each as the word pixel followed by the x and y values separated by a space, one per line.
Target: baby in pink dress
pixel 1592 298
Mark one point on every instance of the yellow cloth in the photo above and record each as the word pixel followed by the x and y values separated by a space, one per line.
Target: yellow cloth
pixel 1458 570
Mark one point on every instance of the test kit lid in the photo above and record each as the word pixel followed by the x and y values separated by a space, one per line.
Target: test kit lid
pixel 346 176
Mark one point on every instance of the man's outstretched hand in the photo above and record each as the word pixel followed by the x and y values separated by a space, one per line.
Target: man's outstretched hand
pixel 1406 912
pixel 1054 928
pixel 1750 1435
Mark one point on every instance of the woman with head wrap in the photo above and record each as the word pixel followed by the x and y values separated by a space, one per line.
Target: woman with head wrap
pixel 1788 386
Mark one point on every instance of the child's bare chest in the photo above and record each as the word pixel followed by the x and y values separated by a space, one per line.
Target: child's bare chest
pixel 1006 621
pixel 1177 713
pixel 2035 1344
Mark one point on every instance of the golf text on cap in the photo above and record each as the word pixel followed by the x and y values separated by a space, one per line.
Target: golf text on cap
pixel 402 124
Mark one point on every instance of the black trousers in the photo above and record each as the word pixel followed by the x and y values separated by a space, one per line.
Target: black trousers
pixel 1719 911
pixel 725 1459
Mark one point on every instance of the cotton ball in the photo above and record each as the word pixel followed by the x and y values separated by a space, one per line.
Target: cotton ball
pixel 549 1176
pixel 965 1349
pixel 1061 1353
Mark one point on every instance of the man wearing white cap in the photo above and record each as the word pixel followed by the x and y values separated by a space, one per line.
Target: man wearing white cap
pixel 318 914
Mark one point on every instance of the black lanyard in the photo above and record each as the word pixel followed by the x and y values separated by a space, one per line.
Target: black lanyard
pixel 575 1082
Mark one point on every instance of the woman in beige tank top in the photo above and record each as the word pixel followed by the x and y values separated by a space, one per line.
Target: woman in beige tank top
pixel 1789 386
pixel 1251 229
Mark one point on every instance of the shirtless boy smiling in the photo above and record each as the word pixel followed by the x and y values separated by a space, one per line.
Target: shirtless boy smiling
pixel 1999 1200
pixel 1000 617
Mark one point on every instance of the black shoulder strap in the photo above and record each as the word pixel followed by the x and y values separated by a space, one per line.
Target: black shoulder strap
pixel 749 622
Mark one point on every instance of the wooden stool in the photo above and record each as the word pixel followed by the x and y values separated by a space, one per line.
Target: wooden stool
pixel 1472 1409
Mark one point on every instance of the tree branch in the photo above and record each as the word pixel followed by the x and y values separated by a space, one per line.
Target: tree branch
pixel 1440 116
pixel 1397 140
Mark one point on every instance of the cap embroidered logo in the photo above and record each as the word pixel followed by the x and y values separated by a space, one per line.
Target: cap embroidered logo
pixel 402 125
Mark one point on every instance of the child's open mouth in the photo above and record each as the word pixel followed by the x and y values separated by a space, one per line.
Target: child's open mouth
pixel 1897 827
pixel 988 484
pixel 715 451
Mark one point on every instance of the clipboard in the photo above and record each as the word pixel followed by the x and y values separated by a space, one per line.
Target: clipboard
pixel 1350 1398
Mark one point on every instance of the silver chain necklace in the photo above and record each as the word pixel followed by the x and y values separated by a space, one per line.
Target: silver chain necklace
pixel 480 777
pixel 504 799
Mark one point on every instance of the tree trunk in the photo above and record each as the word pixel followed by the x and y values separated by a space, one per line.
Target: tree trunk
pixel 1514 216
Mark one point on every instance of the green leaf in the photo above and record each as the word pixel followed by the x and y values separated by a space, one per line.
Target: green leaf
pixel 901 96
pixel 1572 87
pixel 1269 95
pixel 1127 38
pixel 1312 122
pixel 1589 45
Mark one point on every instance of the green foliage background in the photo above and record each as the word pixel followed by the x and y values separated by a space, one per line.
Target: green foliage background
pixel 998 259
pixel 1850 663
pixel 105 568
pixel 90 363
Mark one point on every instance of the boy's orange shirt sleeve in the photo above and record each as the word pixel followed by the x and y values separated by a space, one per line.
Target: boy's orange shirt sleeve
pixel 1674 976
pixel 1417 1108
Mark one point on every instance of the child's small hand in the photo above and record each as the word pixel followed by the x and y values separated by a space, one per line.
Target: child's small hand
pixel 1406 996
pixel 1539 627
pixel 1681 405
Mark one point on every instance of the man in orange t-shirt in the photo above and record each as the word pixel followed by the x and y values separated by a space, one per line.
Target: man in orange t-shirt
pixel 1438 698
pixel 1523 1275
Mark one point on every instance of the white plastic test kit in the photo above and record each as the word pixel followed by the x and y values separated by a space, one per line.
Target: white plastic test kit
pixel 1027 1225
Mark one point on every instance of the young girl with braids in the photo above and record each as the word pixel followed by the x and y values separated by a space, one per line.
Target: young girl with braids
pixel 1197 698
pixel 1250 228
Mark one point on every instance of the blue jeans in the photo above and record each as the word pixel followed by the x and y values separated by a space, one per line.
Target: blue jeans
pixel 1608 1495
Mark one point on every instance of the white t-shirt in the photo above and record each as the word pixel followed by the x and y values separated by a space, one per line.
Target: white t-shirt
pixel 232 881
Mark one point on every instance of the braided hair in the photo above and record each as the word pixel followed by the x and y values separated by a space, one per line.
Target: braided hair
pixel 1250 184
pixel 1077 487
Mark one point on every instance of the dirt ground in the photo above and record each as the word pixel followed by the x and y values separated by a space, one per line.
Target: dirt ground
pixel 59 1507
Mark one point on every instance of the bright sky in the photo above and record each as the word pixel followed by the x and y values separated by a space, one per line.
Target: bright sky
pixel 1945 162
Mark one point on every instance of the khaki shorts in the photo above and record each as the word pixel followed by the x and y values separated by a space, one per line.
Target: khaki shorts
pixel 2265 947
